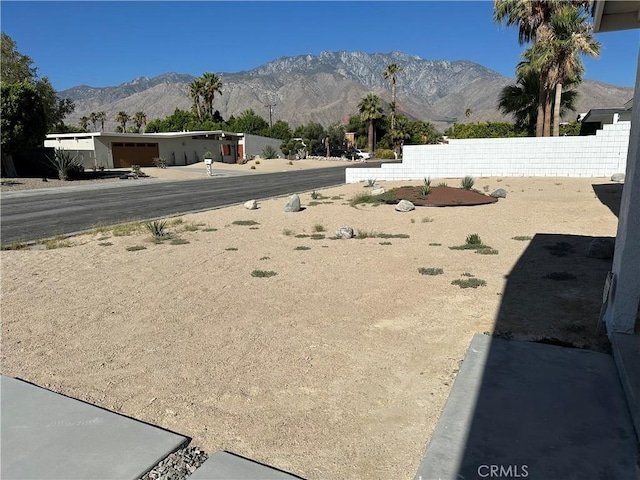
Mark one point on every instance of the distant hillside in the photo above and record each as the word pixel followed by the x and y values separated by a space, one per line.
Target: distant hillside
pixel 328 87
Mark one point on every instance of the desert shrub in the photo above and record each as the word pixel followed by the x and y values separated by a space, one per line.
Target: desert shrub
pixel 135 248
pixel 384 154
pixel 487 251
pixel 302 248
pixel 245 222
pixel 370 182
pixel 425 189
pixel 469 283
pixel 263 273
pixel 442 184
pixel 473 239
pixel 160 162
pixel 67 165
pixel 521 238
pixel 430 271
pixel 317 236
pixel 315 195
pixel 269 152
pixel 179 241
pixel 105 244
pixel 318 227
pixel 158 229
pixel 231 249
pixel 467 183
pixel 253 167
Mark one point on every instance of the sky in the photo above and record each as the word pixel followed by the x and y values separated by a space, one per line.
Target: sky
pixel 108 43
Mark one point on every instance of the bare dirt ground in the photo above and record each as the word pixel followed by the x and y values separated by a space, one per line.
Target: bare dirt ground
pixel 336 367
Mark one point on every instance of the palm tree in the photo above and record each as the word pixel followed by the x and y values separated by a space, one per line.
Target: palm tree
pixel 84 122
pixel 401 133
pixel 101 116
pixel 370 110
pixel 93 118
pixel 140 119
pixel 122 118
pixel 390 74
pixel 558 52
pixel 532 17
pixel 211 84
pixel 196 88
pixel 521 100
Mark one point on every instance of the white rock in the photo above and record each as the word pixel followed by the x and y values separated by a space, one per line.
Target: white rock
pixel 377 191
pixel 293 205
pixel 405 206
pixel 251 205
pixel 617 177
pixel 344 232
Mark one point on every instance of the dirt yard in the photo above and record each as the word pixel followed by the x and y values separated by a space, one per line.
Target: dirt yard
pixel 340 364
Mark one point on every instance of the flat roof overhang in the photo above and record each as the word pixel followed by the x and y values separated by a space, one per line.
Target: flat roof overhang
pixel 613 15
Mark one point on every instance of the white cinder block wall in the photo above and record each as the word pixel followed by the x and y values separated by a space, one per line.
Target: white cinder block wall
pixel 599 155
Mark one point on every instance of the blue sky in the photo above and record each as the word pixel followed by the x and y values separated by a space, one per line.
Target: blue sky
pixel 108 43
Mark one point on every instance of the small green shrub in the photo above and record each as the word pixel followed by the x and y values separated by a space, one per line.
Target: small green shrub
pixel 158 229
pixel 370 183
pixel 179 241
pixel 361 234
pixel 302 248
pixel 15 246
pixel 290 162
pixel 105 244
pixel 467 274
pixel 318 227
pixel 302 235
pixel 487 251
pixel 442 184
pixel 430 271
pixel 425 189
pixel 467 183
pixel 384 154
pixel 257 162
pixel 263 273
pixel 160 162
pixel 435 244
pixel 191 227
pixel 269 152
pixel 522 238
pixel 209 229
pixel 135 248
pixel 313 203
pixel 385 243
pixel 102 239
pixel 317 236
pixel 393 235
pixel 265 258
pixel 231 249
pixel 57 242
pixel 473 239
pixel 427 220
pixel 336 197
pixel 245 222
pixel 253 167
pixel 315 195
pixel 469 283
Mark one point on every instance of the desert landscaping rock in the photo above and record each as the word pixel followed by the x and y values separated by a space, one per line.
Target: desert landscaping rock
pixel 617 177
pixel 251 205
pixel 601 248
pixel 344 232
pixel 405 206
pixel 293 205
pixel 177 466
pixel 499 193
pixel 377 191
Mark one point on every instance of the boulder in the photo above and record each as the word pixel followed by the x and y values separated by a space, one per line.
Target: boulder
pixel 251 205
pixel 405 206
pixel 377 191
pixel 601 248
pixel 499 193
pixel 293 205
pixel 617 177
pixel 344 232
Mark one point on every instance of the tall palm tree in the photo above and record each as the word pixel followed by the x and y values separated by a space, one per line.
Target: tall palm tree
pixel 196 89
pixel 521 99
pixel 101 116
pixel 558 52
pixel 390 75
pixel 211 84
pixel 84 122
pixel 122 118
pixel 532 17
pixel 370 110
pixel 93 118
pixel 140 119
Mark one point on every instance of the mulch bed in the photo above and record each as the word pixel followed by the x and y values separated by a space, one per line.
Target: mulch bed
pixel 441 197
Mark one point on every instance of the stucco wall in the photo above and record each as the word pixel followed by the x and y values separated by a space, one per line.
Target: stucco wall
pixel 254 144
pixel 186 151
pixel 597 155
pixel 81 148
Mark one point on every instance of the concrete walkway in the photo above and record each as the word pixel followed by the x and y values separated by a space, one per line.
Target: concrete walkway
pixel 527 410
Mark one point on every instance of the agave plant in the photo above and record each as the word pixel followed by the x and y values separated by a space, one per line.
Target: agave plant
pixel 66 165
pixel 467 182
pixel 158 229
pixel 426 187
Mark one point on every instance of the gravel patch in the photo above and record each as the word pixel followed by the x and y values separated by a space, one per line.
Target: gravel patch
pixel 177 466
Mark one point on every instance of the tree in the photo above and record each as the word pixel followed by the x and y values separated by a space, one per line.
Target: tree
pixel 122 118
pixel 280 130
pixel 139 119
pixel 211 84
pixel 93 118
pixel 16 67
pixel 249 122
pixel 84 122
pixel 196 89
pixel 390 74
pixel 424 133
pixel 101 116
pixel 370 110
pixel 521 100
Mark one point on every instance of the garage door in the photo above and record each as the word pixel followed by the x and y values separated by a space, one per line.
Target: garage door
pixel 127 154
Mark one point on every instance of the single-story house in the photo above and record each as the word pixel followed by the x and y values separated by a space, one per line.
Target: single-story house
pixel 121 150
pixel 594 119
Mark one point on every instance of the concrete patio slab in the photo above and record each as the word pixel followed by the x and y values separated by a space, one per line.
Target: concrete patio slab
pixel 46 435
pixel 520 409
pixel 626 353
pixel 225 466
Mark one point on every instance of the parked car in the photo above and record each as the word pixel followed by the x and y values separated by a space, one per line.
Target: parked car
pixel 363 155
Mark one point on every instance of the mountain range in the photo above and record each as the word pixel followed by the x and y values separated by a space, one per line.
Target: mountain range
pixel 327 88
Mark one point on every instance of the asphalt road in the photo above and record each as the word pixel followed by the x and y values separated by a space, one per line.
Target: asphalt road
pixel 43 214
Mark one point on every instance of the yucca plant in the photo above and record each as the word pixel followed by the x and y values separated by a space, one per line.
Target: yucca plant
pixel 314 195
pixel 66 165
pixel 426 187
pixel 467 183
pixel 157 229
pixel 473 239
pixel 269 152
pixel 371 182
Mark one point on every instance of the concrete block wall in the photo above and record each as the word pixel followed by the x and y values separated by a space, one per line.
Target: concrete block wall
pixel 599 155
